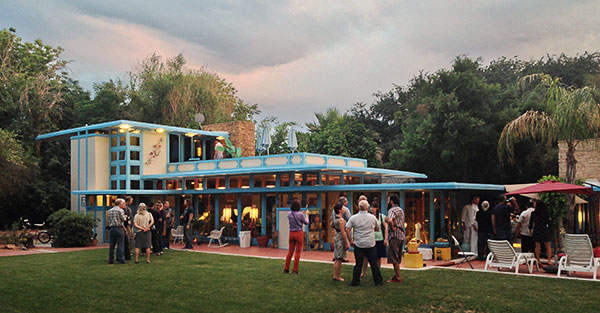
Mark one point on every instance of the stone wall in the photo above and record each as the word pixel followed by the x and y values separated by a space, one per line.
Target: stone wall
pixel 587 154
pixel 241 134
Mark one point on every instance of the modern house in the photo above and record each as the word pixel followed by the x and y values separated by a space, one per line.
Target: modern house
pixel 158 162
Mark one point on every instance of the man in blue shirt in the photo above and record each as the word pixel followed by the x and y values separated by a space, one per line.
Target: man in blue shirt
pixel 501 219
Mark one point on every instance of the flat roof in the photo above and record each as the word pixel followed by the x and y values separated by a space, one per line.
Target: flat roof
pixel 134 124
pixel 319 188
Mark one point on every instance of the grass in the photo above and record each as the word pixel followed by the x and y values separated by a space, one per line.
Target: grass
pixel 196 282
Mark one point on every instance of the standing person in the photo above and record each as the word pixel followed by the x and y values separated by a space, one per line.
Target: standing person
pixel 156 212
pixel 485 230
pixel 116 223
pixel 218 155
pixel 527 243
pixel 540 223
pixel 395 222
pixel 469 224
pixel 186 221
pixel 296 241
pixel 364 226
pixel 341 244
pixel 169 221
pixel 142 222
pixel 501 219
pixel 381 236
pixel 127 246
pixel 345 214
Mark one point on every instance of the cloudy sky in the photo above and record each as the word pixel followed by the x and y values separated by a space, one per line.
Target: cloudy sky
pixel 294 58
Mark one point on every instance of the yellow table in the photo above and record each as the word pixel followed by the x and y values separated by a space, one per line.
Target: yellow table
pixel 413 260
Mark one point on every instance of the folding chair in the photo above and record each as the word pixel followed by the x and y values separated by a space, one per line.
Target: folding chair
pixel 465 255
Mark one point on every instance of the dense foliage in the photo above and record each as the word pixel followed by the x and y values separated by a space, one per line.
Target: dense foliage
pixel 71 229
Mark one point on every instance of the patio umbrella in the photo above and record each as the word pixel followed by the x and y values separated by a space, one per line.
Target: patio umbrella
pixel 259 147
pixel 266 138
pixel 515 187
pixel 292 141
pixel 553 186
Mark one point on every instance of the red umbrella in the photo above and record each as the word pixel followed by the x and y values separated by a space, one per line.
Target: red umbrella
pixel 553 186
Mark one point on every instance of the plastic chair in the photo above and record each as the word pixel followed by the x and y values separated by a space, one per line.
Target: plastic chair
pixel 579 255
pixel 216 235
pixel 503 255
pixel 177 234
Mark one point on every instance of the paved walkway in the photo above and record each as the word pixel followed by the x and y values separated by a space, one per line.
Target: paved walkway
pixel 309 256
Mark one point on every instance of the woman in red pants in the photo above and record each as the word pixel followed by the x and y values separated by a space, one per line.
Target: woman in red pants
pixel 297 220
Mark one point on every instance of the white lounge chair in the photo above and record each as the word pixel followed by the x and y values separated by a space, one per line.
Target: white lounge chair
pixel 579 255
pixel 177 234
pixel 465 255
pixel 503 255
pixel 216 235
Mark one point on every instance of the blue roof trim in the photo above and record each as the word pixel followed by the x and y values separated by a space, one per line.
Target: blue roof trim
pixel 132 124
pixel 320 188
pixel 286 168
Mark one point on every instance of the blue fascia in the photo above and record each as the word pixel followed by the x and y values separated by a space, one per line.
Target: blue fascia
pixel 134 124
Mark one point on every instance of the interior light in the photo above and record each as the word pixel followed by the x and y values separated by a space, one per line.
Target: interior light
pixel 220 138
pixel 221 188
pixel 269 186
pixel 160 130
pixel 122 130
pixel 136 131
pixel 124 126
pixel 190 134
pixel 245 187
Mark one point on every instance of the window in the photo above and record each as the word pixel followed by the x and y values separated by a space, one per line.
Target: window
pixel 134 140
pixel 135 184
pixel 148 185
pixel 122 170
pixel 311 179
pixel 113 170
pixel 239 182
pixel 134 155
pixel 298 179
pixel 370 180
pixel 159 185
pixel 351 180
pixel 122 184
pixel 135 170
pixel 172 184
pixel 284 180
pixel 215 183
pixel 113 184
pixel 122 140
pixel 122 155
pixel 191 184
pixel 113 156
pixel 173 148
pixel 113 141
pixel 330 179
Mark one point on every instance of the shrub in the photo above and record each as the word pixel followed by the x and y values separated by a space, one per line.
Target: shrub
pixel 71 229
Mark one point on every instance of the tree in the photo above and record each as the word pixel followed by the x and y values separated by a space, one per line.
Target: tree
pixel 574 115
pixel 169 93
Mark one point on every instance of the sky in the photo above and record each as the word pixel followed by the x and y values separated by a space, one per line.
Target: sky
pixel 295 58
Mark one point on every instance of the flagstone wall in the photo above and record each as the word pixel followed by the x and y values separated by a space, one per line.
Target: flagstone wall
pixel 241 134
pixel 587 154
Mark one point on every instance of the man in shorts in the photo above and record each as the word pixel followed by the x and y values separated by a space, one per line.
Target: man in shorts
pixel 395 220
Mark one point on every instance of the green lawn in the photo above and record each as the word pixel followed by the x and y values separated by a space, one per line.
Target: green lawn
pixel 195 282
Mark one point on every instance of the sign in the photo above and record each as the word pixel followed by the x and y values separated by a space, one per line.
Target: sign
pixel 83 201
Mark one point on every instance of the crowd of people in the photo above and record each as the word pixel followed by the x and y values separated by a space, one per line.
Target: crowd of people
pixel 372 235
pixel 148 231
pixel 533 226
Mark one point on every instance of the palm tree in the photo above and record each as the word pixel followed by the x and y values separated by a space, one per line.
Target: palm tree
pixel 573 115
pixel 323 119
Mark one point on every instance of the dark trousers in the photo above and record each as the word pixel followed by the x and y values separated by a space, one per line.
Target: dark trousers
pixel 527 244
pixel 482 244
pixel 156 241
pixel 166 239
pixel 116 237
pixel 504 234
pixel 187 237
pixel 359 255
pixel 126 247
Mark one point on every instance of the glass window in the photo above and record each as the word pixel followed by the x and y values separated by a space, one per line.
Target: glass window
pixel 122 184
pixel 251 213
pixel 122 170
pixel 113 156
pixel 239 182
pixel 351 180
pixel 113 170
pixel 311 179
pixel 113 141
pixel 298 179
pixel 197 147
pixel 172 184
pixel 370 180
pixel 148 185
pixel 329 179
pixel 173 148
pixel 134 140
pixel 228 210
pixel 187 148
pixel 193 184
pixel 122 141
pixel 134 184
pixel 159 185
pixel 284 180
pixel 113 184
pixel 134 155
pixel 206 213
pixel 122 155
pixel 135 170
pixel 417 211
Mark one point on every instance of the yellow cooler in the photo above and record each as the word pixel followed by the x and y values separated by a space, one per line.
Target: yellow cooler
pixel 413 260
pixel 443 253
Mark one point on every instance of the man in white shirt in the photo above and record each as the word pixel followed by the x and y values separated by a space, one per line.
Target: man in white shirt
pixel 527 244
pixel 469 223
pixel 364 225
